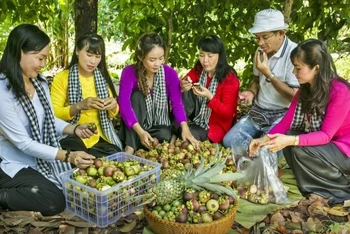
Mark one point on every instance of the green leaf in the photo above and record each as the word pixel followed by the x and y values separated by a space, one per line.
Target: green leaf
pixel 226 177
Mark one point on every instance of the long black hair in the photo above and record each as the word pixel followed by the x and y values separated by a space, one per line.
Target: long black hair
pixel 94 44
pixel 313 52
pixel 23 38
pixel 145 44
pixel 213 44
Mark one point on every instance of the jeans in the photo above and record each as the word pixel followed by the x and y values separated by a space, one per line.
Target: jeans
pixel 235 138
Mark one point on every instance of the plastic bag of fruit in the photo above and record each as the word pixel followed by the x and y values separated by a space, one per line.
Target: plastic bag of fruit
pixel 261 183
pixel 240 146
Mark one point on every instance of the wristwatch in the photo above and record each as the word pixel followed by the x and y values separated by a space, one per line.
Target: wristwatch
pixel 268 79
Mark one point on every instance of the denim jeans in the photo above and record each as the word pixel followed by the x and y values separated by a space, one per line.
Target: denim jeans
pixel 246 124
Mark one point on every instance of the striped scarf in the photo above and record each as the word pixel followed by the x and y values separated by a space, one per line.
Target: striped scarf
pixel 202 119
pixel 50 170
pixel 306 122
pixel 158 106
pixel 75 96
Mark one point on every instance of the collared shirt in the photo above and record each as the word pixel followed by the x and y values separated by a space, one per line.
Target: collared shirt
pixel 17 148
pixel 280 65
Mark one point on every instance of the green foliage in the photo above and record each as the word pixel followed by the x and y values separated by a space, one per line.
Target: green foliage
pixel 182 23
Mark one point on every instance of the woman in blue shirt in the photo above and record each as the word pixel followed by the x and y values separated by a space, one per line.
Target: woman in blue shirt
pixel 31 158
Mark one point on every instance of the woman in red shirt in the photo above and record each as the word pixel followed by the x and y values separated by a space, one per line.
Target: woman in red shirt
pixel 210 92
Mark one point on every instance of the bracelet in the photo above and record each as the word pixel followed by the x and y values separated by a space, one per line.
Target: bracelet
pixel 252 92
pixel 296 141
pixel 75 128
pixel 67 156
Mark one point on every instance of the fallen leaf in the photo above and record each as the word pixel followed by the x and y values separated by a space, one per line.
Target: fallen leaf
pixel 81 224
pixel 128 227
pixel 277 219
pixel 337 212
pixel 346 203
pixel 293 225
pixel 314 224
pixel 46 224
pixel 295 218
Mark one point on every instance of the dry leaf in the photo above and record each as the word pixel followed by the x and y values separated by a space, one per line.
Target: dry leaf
pixel 293 225
pixel 128 227
pixel 297 232
pixel 46 224
pixel 337 212
pixel 314 224
pixel 295 218
pixel 346 203
pixel 277 219
pixel 81 224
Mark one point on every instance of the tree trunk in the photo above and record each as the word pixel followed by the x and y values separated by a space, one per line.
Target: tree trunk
pixel 85 16
pixel 287 10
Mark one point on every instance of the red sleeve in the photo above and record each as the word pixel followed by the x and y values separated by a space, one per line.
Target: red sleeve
pixel 226 103
pixel 194 74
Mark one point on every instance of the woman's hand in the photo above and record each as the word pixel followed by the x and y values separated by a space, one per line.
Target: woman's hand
pixel 255 145
pixel 279 141
pixel 83 131
pixel 187 135
pixel 202 91
pixel 185 84
pixel 91 103
pixel 81 159
pixel 110 103
pixel 146 139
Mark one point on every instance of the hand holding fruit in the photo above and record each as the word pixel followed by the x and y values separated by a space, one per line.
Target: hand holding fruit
pixel 146 139
pixel 186 84
pixel 91 103
pixel 255 145
pixel 110 103
pixel 202 91
pixel 85 130
pixel 81 159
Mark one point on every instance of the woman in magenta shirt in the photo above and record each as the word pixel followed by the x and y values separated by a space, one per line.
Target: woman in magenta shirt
pixel 317 126
pixel 148 89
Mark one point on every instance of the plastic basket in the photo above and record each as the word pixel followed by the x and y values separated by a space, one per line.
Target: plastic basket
pixel 220 226
pixel 106 207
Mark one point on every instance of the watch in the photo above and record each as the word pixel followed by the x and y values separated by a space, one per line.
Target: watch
pixel 268 79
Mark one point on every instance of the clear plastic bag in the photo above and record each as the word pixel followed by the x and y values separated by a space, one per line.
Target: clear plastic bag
pixel 240 145
pixel 261 183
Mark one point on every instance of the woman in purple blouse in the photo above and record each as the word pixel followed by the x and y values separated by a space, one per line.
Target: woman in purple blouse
pixel 149 89
pixel 317 124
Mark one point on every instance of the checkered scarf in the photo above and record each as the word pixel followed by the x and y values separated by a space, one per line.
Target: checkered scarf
pixel 157 107
pixel 75 96
pixel 302 122
pixel 50 170
pixel 202 119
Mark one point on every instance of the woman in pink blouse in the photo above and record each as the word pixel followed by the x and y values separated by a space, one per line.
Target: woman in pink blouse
pixel 315 132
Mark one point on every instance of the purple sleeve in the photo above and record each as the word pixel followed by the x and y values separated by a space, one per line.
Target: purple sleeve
pixel 284 125
pixel 174 94
pixel 337 109
pixel 128 83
